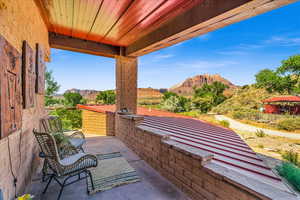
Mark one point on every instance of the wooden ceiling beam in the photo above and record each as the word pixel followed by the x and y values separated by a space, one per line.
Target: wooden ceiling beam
pixel 201 19
pixel 59 41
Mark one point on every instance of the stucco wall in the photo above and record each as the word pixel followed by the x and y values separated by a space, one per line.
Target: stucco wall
pixel 20 20
pixel 93 122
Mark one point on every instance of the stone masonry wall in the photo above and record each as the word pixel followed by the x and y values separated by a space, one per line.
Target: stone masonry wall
pixel 110 123
pixel 20 20
pixel 189 169
pixel 126 83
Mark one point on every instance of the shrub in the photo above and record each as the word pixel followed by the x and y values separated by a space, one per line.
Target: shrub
pixel 260 146
pixel 71 119
pixel 260 133
pixel 291 173
pixel 224 123
pixel 291 156
pixel 238 115
pixel 290 124
pixel 193 113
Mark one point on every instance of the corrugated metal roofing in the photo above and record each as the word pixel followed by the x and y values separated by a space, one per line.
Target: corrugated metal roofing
pixel 282 99
pixel 228 148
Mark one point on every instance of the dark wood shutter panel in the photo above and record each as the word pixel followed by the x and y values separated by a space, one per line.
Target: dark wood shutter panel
pixel 40 70
pixel 29 75
pixel 10 86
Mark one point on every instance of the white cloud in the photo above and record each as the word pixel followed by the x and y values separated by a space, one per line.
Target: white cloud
pixel 205 64
pixel 162 56
pixel 233 52
pixel 283 41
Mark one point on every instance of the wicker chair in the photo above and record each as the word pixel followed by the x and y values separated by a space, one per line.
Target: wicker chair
pixel 53 124
pixel 65 168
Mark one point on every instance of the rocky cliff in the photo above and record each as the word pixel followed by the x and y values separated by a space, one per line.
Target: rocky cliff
pixel 186 87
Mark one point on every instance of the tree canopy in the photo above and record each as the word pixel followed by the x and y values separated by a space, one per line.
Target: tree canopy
pixel 106 97
pixel 73 98
pixel 51 89
pixel 208 96
pixel 285 79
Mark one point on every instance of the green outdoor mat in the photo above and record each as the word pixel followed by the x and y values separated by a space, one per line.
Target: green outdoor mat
pixel 113 170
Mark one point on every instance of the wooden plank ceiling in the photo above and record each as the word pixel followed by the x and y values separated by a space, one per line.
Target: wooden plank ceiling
pixel 142 26
pixel 114 22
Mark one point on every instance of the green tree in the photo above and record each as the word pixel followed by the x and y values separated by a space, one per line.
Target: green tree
pixel 176 103
pixel 71 119
pixel 73 98
pixel 291 68
pixel 51 89
pixel 167 95
pixel 106 97
pixel 208 96
pixel 272 81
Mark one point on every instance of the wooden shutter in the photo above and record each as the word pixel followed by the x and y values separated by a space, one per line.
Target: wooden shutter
pixel 40 70
pixel 29 75
pixel 10 86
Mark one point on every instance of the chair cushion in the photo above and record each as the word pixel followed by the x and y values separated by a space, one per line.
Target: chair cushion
pixel 77 142
pixel 71 159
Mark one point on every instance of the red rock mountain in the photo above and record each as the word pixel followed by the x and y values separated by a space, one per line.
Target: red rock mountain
pixel 186 87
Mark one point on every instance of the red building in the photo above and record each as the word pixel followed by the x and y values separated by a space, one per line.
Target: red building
pixel 282 104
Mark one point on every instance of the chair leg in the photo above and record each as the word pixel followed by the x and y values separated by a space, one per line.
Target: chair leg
pixel 44 171
pixel 91 179
pixel 45 190
pixel 62 187
pixel 81 148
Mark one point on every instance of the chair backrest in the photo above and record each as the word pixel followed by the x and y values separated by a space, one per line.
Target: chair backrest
pixel 49 148
pixel 52 124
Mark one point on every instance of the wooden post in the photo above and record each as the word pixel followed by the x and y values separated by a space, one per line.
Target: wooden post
pixel 126 83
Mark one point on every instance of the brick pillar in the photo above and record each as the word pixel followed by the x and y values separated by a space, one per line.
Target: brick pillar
pixel 126 83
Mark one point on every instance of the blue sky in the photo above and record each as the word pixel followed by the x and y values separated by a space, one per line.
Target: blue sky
pixel 236 52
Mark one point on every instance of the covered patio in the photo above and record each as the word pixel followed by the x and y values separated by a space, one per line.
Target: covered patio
pixel 151 186
pixel 169 168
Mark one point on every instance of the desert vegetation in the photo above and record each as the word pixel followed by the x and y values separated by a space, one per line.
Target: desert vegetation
pixel 246 103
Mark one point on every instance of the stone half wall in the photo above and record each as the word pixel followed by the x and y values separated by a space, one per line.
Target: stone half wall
pixel 20 20
pixel 191 169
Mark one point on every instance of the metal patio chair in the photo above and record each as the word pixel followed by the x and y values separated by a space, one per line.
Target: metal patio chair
pixel 66 168
pixel 52 124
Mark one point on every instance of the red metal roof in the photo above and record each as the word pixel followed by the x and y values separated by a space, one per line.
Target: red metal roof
pixel 228 148
pixel 282 99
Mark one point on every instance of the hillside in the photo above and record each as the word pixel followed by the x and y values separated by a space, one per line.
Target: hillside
pixel 90 95
pixel 144 94
pixel 185 88
pixel 248 97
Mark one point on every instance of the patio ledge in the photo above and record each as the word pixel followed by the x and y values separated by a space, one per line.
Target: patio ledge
pixel 249 184
pixel 204 156
pixel 131 117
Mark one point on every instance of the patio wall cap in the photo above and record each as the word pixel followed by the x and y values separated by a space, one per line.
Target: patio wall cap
pixel 254 186
pixel 198 154
pixel 154 131
pixel 132 117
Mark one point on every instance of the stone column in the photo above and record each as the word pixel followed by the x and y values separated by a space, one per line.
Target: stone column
pixel 126 83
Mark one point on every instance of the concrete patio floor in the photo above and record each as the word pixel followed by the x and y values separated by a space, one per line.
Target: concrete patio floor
pixel 151 187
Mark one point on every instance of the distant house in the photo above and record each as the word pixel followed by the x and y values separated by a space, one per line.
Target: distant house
pixel 282 104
